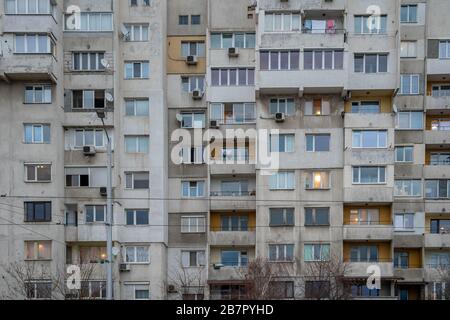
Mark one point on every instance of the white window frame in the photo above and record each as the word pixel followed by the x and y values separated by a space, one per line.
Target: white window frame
pixel 413 78
pixel 282 105
pixel 33 138
pixel 36 167
pixel 410 120
pixel 94 213
pixel 437 88
pixel 51 46
pixel 199 187
pixel 284 15
pixel 403 220
pixel 407 183
pixel 46 94
pixel 132 63
pixel 193 83
pixel 378 63
pixel 445 55
pixel 90 282
pixel 233 40
pixel 408 49
pixel 200 258
pixel 192 115
pixel 134 211
pixel 438 189
pixel 131 32
pixel 36 244
pixel 87 16
pixel 408 6
pixel 281 251
pixel 313 251
pixel 359 145
pixel 132 173
pixel 98 57
pixel 310 180
pixel 194 224
pixel 89 174
pixel 314 135
pixel 288 175
pixel 224 120
pixel 403 151
pixel 322 51
pixel 186 153
pixel 269 61
pixel 94 132
pixel 135 101
pixel 27 7
pixel 379 181
pixel 35 284
pixel 137 143
pixel 365 16
pixel 365 102
pixel 135 255
pixel 198 48
pixel 236 84
pixel 274 142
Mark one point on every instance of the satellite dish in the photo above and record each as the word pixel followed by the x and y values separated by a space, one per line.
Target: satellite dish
pixel 115 251
pixel 124 31
pixel 394 108
pixel 104 63
pixel 179 117
pixel 109 97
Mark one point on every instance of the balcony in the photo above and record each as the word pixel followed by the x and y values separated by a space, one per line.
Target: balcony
pixel 239 200
pixel 369 120
pixel 86 232
pixel 409 274
pixel 233 238
pixel 436 171
pixel 373 81
pixel 438 67
pixel 437 103
pixel 88 118
pixel 28 67
pixel 437 137
pixel 359 269
pixel 365 193
pixel 225 273
pixel 437 240
pixel 368 232
pixel 22 23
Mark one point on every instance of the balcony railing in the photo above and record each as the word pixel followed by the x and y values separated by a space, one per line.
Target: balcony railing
pixel 232 193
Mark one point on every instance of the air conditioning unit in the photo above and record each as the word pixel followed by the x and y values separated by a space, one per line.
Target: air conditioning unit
pixel 124 267
pixel 197 94
pixel 171 288
pixel 192 60
pixel 280 117
pixel 103 191
pixel 89 150
pixel 214 124
pixel 233 52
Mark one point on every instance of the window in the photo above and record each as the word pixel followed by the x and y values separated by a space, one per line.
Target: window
pixel 193 120
pixel 282 181
pixel 317 107
pixel 136 32
pixel 193 224
pixel 283 105
pixel 409 84
pixel 87 61
pixel 192 48
pixel 319 289
pixel 364 253
pixel 317 216
pixel 34 43
pixel 280 217
pixel 375 24
pixel 89 137
pixel 192 189
pixel 138 291
pixel 232 40
pixel 323 59
pixel 137 254
pixel 317 180
pixel 442 90
pixel 369 139
pixel 444 49
pixel 137 180
pixel 137 217
pixel 234 154
pixel 38 289
pixel 440 158
pixel 361 290
pixel 435 189
pixel 234 188
pixel 193 258
pixel 316 252
pixel 192 155
pixel 369 175
pixel 233 77
pixel 88 99
pixel 137 107
pixel 408 49
pixel 404 154
pixel 401 259
pixel 317 142
pixel 136 70
pixel 371 63
pixel 281 252
pixel 86 177
pixel 38 94
pixel 90 254
pixel 233 258
pixel 404 221
pixel 38 211
pixel 93 289
pixel 36 133
pixel 410 120
pixel 279 60
pixel 439 260
pixel 408 188
pixel 440 124
pixel 95 213
pixel 281 22
pixel 183 20
pixel 191 83
pixel 319 26
pixel 195 19
pixel 136 144
pixel 38 250
pixel 440 226
pixel 408 13
pixel 363 216
pixel 28 7
pixel 282 289
pixel 38 172
pixel 133 3
pixel 282 142
pixel 233 113
pixel 233 223
pixel 365 107
pixel 90 22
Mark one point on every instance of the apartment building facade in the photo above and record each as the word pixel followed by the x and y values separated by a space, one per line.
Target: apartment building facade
pixel 351 98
